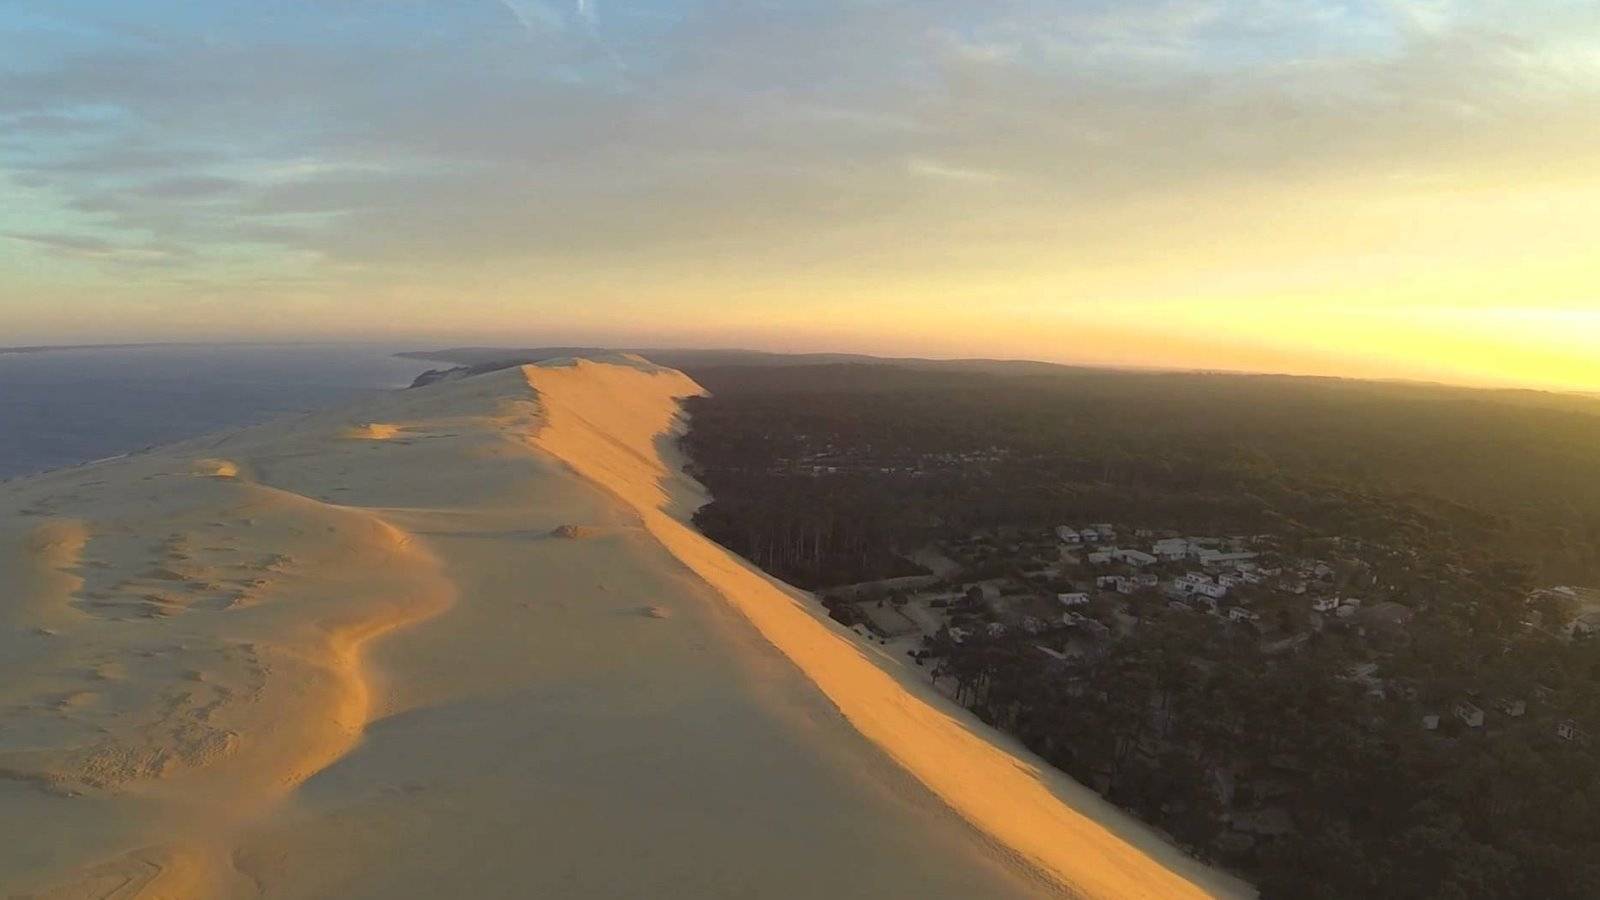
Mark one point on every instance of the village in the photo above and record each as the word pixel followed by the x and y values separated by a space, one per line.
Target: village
pixel 1073 590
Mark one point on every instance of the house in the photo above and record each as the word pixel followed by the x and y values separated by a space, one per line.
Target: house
pixel 1512 707
pixel 1568 730
pixel 886 621
pixel 1430 722
pixel 1171 549
pixel 1089 536
pixel 1469 713
pixel 1101 557
pixel 1251 577
pixel 1195 583
pixel 1146 580
pixel 1240 614
pixel 1106 532
pixel 1136 558
pixel 1077 598
pixel 1325 604
pixel 1113 583
pixel 1231 581
pixel 1221 558
pixel 1068 535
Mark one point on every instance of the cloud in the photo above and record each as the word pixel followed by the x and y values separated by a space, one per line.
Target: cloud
pixel 415 141
pixel 942 171
pixel 81 246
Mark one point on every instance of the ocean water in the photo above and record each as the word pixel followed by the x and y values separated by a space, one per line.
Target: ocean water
pixel 64 407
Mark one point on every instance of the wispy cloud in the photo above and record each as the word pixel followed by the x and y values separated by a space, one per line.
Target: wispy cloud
pixel 423 143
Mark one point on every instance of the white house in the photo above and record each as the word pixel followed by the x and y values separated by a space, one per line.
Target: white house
pixel 1171 548
pixel 1221 558
pixel 1240 614
pixel 1136 558
pixel 1325 604
pixel 1231 581
pixel 1068 535
pixel 1112 583
pixel 1430 722
pixel 1214 591
pixel 1469 713
pixel 1101 557
pixel 1189 581
pixel 1077 598
pixel 1512 707
pixel 1089 536
pixel 1106 532
pixel 1568 730
pixel 1147 580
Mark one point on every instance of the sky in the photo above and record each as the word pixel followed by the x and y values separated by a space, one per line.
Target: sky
pixel 1368 188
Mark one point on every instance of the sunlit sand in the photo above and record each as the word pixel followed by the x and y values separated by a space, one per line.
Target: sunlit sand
pixel 481 655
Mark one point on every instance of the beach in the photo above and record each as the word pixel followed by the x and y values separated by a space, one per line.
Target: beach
pixel 461 640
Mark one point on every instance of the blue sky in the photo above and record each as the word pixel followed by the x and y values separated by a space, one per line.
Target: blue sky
pixel 172 169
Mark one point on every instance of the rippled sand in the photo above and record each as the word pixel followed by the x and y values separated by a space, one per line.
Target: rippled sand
pixel 459 642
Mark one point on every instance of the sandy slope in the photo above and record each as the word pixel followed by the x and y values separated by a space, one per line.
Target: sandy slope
pixel 457 642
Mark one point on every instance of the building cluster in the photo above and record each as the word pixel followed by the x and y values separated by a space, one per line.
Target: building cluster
pixel 1078 587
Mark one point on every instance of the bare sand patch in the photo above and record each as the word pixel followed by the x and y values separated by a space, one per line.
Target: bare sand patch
pixel 195 700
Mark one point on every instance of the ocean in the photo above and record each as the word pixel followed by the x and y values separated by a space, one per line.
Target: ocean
pixel 65 407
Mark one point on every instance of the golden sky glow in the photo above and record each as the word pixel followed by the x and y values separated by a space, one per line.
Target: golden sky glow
pixel 1369 188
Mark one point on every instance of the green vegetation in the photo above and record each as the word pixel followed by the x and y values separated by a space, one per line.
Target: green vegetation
pixel 1476 474
pixel 1300 750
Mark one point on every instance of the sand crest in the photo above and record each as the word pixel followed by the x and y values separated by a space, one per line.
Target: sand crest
pixel 285 663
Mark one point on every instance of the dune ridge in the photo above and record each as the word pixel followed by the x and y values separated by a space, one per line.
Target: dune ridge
pixel 458 641
pixel 189 646
pixel 1077 839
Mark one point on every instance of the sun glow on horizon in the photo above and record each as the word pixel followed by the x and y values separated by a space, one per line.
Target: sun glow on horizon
pixel 1392 191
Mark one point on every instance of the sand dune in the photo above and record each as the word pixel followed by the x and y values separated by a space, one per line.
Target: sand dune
pixel 479 654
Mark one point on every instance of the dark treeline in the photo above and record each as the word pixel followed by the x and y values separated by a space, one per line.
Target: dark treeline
pixel 916 453
pixel 1262 750
pixel 1374 806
